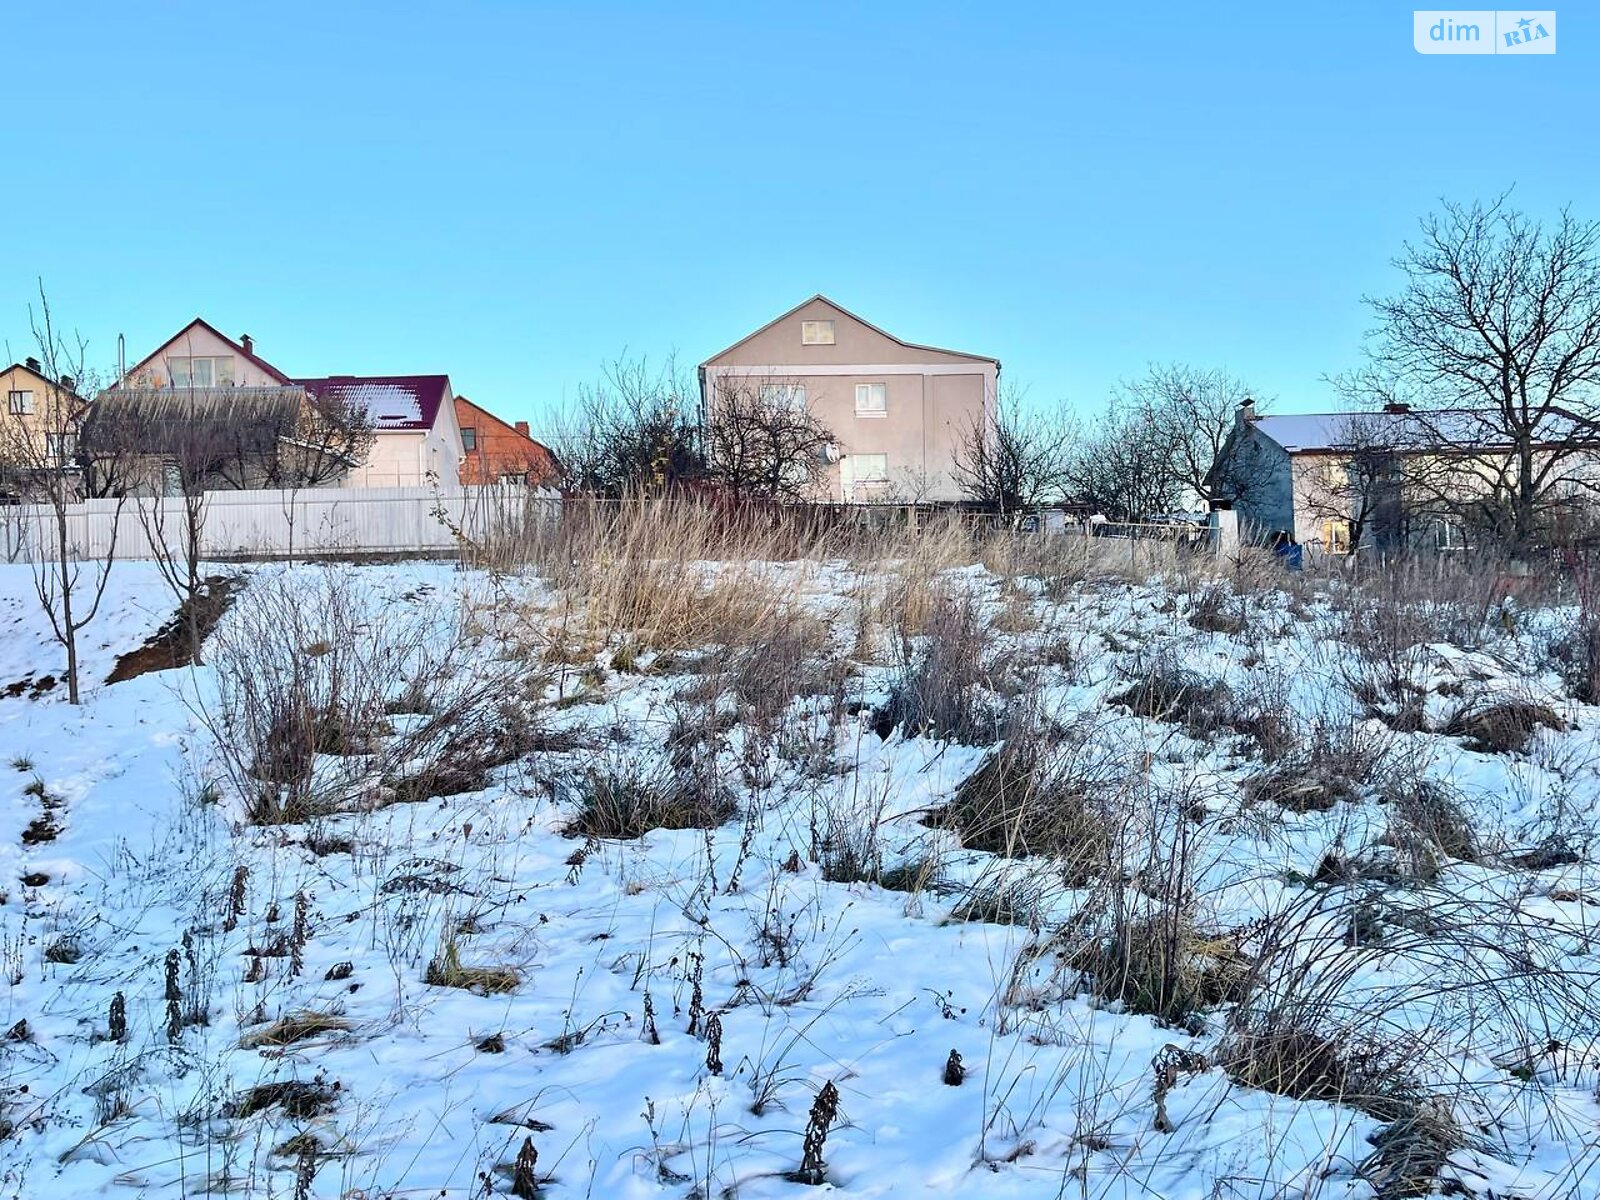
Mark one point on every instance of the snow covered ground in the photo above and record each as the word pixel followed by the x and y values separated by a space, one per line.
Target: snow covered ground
pixel 203 1003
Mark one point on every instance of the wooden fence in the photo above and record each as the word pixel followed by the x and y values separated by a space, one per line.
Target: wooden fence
pixel 275 524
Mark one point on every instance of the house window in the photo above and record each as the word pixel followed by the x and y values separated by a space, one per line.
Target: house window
pixel 784 395
pixel 1336 537
pixel 870 468
pixel 519 480
pixel 469 438
pixel 202 372
pixel 816 333
pixel 872 399
pixel 61 447
pixel 20 403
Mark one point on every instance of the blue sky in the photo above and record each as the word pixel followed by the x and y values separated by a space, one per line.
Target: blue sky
pixel 515 193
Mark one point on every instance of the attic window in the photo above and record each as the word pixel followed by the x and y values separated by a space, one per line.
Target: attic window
pixel 816 333
pixel 469 438
pixel 202 372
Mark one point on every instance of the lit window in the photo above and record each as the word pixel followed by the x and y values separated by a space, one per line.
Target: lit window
pixel 816 333
pixel 1336 537
pixel 469 438
pixel 20 403
pixel 872 399
pixel 202 372
pixel 786 395
pixel 870 468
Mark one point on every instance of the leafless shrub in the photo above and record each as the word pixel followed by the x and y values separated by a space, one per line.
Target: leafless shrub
pixel 302 725
pixel 940 689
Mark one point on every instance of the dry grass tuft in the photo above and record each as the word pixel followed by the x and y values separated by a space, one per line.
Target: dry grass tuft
pixel 1502 727
pixel 1037 795
pixel 295 1027
pixel 446 969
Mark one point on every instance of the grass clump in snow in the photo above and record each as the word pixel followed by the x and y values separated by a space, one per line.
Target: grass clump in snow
pixel 1035 795
pixel 1503 726
pixel 295 1027
pixel 1166 690
pixel 446 969
pixel 621 799
pixel 1337 761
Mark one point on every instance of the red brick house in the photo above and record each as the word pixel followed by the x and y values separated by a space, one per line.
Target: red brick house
pixel 496 452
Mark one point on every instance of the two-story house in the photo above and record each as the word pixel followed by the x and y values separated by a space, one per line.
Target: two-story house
pixel 900 411
pixel 38 428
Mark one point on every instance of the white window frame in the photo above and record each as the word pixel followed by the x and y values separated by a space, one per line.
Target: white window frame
pixel 792 395
pixel 816 333
pixel 213 364
pixel 61 448
pixel 865 393
pixel 856 468
pixel 20 402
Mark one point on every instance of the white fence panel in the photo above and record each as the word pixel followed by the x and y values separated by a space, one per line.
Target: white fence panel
pixel 278 523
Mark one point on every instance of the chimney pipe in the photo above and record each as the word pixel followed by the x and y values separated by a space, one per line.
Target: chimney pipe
pixel 32 364
pixel 522 428
pixel 1395 406
pixel 248 342
pixel 1246 412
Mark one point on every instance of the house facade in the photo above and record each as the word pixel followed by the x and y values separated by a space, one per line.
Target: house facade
pixel 38 425
pixel 1391 479
pixel 416 438
pixel 498 452
pixel 898 411
pixel 417 441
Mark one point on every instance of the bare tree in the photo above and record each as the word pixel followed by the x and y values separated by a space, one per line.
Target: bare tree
pixel 1013 457
pixel 762 442
pixel 1193 412
pixel 1358 483
pixel 1122 466
pixel 635 432
pixel 41 447
pixel 1493 342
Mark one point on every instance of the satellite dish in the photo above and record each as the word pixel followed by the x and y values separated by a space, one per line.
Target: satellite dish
pixel 830 453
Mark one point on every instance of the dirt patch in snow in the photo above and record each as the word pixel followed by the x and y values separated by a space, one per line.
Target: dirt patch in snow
pixel 170 646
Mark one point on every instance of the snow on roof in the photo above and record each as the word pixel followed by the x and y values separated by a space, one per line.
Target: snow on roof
pixel 1302 433
pixel 395 401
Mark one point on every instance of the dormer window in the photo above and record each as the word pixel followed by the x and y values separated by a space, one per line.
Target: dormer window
pixel 816 333
pixel 215 371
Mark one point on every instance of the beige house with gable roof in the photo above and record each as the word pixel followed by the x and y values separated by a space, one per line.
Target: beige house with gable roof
pixel 898 410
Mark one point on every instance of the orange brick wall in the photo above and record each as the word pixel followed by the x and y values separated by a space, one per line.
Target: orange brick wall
pixel 501 449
